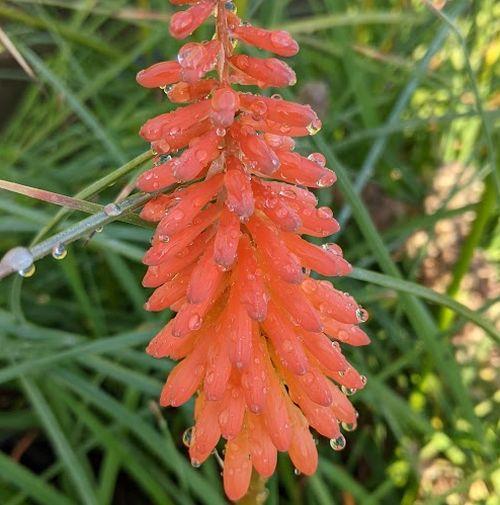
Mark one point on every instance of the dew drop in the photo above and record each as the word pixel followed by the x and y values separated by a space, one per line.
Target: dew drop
pixel 194 322
pixel 314 127
pixel 195 463
pixel 317 158
pixel 177 215
pixel 99 229
pixel 361 315
pixel 59 252
pixel 364 380
pixel 187 436
pixel 325 181
pixel 349 426
pixel 348 391
pixel 220 132
pixel 339 443
pixel 333 249
pixel 281 39
pixel 324 213
pixel 297 472
pixel 28 271
pixel 259 109
pixel 276 96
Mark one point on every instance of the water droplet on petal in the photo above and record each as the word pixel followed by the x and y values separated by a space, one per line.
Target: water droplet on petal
pixel 348 391
pixel 361 315
pixel 339 443
pixel 177 215
pixel 195 463
pixel 314 127
pixel 297 472
pixel 187 436
pixel 349 426
pixel 195 322
pixel 318 158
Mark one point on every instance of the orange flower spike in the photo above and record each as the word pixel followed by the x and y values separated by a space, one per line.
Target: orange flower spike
pixel 227 239
pixel 185 23
pixel 303 451
pixel 159 274
pixel 197 59
pixel 189 204
pixel 240 199
pixel 174 123
pixel 160 74
pixel 259 157
pixel 262 450
pixel 255 297
pixel 184 92
pixel 232 412
pixel 276 109
pixel 278 42
pixel 202 440
pixel 237 467
pixel 225 104
pixel 258 338
pixel 219 370
pixel 267 72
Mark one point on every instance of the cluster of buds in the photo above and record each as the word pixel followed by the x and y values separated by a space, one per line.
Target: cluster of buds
pixel 257 337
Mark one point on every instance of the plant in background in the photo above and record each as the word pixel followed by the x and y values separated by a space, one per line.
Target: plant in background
pixel 257 337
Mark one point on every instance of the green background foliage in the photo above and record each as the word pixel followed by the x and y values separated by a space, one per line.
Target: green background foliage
pixel 403 91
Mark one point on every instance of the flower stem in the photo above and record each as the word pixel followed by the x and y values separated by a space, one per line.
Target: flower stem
pixel 257 492
pixel 77 231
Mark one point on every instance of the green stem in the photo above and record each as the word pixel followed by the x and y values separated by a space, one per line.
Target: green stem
pixel 79 230
pixel 485 209
pixel 257 492
pixel 94 188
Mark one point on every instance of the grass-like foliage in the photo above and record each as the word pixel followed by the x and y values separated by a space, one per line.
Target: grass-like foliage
pixel 406 91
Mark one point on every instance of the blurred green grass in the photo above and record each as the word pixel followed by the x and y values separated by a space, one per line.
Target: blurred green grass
pixel 402 91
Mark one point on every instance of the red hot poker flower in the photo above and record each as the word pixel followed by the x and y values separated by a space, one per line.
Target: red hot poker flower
pixel 257 338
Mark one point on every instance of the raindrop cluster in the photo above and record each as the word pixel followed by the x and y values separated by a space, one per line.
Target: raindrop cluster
pixel 257 338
